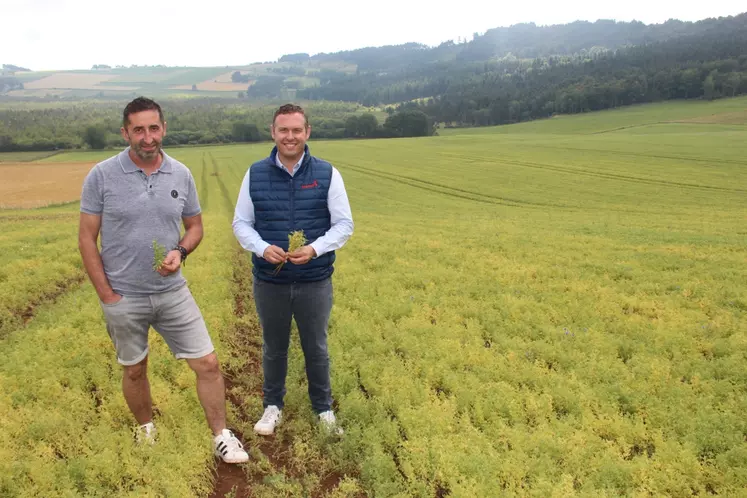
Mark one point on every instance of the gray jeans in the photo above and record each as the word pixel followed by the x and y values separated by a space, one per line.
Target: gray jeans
pixel 309 304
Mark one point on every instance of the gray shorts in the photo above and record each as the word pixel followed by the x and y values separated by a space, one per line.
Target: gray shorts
pixel 172 314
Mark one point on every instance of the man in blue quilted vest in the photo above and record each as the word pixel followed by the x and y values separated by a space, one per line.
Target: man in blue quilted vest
pixel 288 191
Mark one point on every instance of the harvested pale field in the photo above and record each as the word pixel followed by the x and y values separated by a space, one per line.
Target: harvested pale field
pixel 29 185
pixel 75 81
pixel 216 86
pixel 220 83
pixel 151 75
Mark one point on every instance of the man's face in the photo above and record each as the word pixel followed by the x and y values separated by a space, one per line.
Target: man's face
pixel 144 133
pixel 290 133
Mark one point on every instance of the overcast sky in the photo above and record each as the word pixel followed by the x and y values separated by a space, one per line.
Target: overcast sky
pixel 75 34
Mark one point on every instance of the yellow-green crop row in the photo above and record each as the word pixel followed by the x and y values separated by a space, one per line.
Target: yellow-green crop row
pixel 39 261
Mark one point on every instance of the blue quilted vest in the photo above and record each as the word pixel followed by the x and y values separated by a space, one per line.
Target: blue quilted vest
pixel 285 203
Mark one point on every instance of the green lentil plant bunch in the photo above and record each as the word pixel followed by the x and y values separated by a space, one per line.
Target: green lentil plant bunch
pixel 159 254
pixel 296 240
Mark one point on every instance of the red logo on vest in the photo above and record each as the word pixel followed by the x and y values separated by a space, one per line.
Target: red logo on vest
pixel 311 185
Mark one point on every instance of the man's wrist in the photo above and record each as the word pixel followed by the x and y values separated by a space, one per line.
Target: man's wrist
pixel 107 296
pixel 261 249
pixel 182 251
pixel 315 250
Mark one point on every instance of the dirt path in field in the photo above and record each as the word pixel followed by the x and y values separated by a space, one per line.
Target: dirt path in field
pixel 51 295
pixel 245 343
pixel 22 316
pixel 245 382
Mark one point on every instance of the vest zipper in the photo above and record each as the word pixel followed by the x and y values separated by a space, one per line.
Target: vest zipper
pixel 292 198
pixel 292 214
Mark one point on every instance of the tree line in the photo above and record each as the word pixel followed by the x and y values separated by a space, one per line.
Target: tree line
pixel 198 121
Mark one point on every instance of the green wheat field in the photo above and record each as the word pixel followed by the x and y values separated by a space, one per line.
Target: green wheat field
pixel 556 308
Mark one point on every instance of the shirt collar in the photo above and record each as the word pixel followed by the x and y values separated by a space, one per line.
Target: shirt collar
pixel 128 166
pixel 279 164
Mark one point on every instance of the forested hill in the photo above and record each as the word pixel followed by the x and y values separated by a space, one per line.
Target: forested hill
pixel 520 40
pixel 526 72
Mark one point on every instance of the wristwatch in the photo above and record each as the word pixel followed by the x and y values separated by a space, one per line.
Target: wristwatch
pixel 183 251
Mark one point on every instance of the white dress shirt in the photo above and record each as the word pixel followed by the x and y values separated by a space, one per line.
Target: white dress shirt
pixel 341 216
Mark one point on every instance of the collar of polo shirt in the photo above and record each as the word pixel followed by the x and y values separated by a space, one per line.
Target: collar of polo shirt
pixel 128 166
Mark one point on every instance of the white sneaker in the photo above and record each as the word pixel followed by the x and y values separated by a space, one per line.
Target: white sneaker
pixel 229 448
pixel 328 421
pixel 266 425
pixel 146 433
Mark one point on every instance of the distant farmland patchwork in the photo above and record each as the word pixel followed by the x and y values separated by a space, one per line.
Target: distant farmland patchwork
pixel 556 308
pixel 82 81
pixel 155 80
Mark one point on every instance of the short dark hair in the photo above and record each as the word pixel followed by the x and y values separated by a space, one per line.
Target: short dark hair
pixel 140 104
pixel 291 109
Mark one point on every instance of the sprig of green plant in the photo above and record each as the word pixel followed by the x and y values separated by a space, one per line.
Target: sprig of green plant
pixel 296 240
pixel 159 254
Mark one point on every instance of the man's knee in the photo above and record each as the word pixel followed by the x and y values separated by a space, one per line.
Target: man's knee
pixel 136 372
pixel 316 349
pixel 207 366
pixel 275 354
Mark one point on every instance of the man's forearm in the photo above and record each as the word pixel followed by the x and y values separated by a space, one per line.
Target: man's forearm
pixel 192 238
pixel 334 238
pixel 248 237
pixel 95 268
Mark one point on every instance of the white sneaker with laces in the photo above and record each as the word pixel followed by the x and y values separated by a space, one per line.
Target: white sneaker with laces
pixel 270 418
pixel 229 448
pixel 329 423
pixel 146 433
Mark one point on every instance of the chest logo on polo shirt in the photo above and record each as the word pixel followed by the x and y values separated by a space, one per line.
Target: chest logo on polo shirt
pixel 174 194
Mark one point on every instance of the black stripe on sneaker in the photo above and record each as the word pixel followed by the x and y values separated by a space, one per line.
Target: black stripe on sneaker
pixel 221 447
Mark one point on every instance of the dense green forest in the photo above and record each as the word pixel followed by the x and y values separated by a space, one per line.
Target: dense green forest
pixel 699 60
pixel 505 75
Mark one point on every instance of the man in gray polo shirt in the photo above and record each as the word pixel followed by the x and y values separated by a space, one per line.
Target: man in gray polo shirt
pixel 136 200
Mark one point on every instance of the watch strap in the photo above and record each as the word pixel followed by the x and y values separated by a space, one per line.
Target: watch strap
pixel 183 252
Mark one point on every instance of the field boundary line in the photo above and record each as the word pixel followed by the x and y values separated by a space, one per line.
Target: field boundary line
pixel 612 130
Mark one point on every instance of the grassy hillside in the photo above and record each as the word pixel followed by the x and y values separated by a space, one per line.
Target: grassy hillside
pixel 643 118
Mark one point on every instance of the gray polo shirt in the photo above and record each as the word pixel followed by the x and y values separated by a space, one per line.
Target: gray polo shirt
pixel 135 209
